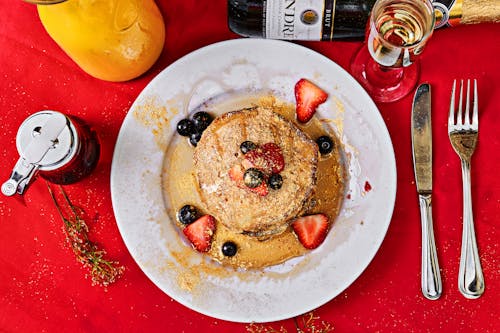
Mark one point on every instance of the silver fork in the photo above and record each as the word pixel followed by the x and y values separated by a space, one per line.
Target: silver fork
pixel 463 137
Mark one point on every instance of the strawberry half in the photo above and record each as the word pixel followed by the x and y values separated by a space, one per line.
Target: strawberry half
pixel 311 230
pixel 308 96
pixel 200 232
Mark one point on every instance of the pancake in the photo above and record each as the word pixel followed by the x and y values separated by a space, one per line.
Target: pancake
pixel 237 208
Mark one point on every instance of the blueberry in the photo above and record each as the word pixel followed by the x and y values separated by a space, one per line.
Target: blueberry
pixel 325 144
pixel 201 120
pixel 253 177
pixel 229 249
pixel 187 214
pixel 185 127
pixel 275 181
pixel 195 138
pixel 246 146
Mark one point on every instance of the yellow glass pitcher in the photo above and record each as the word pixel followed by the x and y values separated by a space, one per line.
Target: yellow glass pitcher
pixel 113 40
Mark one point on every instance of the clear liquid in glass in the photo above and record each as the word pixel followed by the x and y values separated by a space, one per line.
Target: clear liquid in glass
pixel 399 30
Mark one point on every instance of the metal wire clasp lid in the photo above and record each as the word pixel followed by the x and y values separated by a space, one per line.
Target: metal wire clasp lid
pixel 40 136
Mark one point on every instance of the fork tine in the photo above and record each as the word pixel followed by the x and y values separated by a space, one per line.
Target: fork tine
pixel 451 116
pixel 459 111
pixel 475 120
pixel 467 107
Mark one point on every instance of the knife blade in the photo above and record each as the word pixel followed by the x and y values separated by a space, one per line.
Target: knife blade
pixel 421 134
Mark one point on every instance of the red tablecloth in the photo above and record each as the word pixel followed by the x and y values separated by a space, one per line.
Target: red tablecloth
pixel 44 289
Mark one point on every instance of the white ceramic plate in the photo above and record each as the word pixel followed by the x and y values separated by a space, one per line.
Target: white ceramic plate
pixel 283 291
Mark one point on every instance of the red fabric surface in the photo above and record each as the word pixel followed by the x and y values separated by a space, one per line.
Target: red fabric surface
pixel 44 289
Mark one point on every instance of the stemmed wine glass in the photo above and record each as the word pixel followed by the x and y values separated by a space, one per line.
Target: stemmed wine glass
pixel 396 33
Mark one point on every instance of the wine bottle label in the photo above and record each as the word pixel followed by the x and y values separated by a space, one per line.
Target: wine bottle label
pixel 299 20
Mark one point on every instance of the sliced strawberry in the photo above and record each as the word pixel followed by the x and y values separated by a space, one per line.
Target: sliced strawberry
pixel 247 164
pixel 308 96
pixel 311 230
pixel 274 157
pixel 255 159
pixel 236 174
pixel 268 158
pixel 200 233
pixel 261 190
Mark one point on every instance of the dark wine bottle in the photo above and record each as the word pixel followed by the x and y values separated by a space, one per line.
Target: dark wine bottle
pixel 291 19
pixel 337 19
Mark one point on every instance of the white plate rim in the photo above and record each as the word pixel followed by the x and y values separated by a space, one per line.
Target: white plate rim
pixel 118 179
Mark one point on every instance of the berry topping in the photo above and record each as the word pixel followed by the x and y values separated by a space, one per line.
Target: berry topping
pixel 267 158
pixel 229 249
pixel 200 233
pixel 311 230
pixel 253 177
pixel 185 127
pixel 258 164
pixel 236 174
pixel 187 214
pixel 255 159
pixel 201 120
pixel 308 96
pixel 275 181
pixel 246 146
pixel 325 144
pixel 194 138
pixel 261 190
pixel 274 156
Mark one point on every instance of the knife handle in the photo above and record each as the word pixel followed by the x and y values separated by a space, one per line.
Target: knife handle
pixel 431 276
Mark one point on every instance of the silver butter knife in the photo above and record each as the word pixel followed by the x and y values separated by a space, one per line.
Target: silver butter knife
pixel 421 135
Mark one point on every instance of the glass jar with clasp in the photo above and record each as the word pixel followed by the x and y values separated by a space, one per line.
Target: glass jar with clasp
pixel 61 149
pixel 113 40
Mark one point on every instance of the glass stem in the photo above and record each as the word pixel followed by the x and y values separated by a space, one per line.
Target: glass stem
pixel 383 76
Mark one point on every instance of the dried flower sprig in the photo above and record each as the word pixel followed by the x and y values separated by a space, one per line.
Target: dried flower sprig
pixel 311 323
pixel 260 328
pixel 103 271
pixel 306 323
